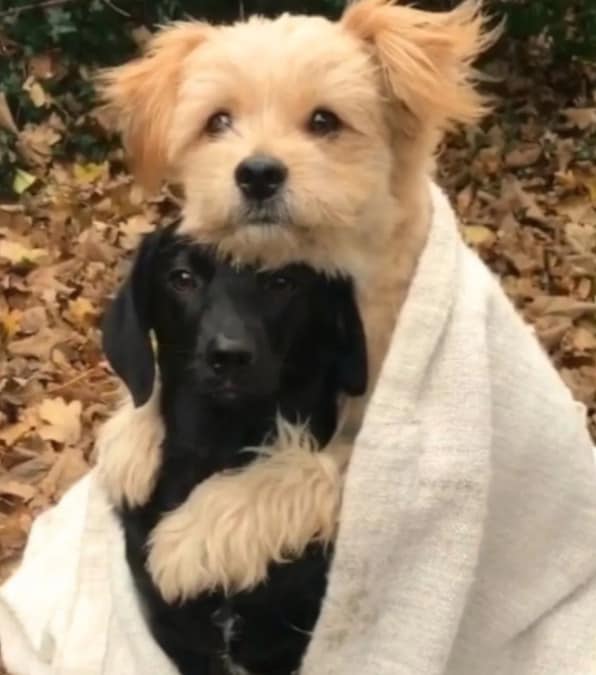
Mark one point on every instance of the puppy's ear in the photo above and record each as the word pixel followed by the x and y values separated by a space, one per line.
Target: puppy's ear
pixel 127 323
pixel 352 355
pixel 426 57
pixel 142 95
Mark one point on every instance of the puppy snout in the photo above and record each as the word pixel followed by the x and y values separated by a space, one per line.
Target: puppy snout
pixel 226 355
pixel 260 176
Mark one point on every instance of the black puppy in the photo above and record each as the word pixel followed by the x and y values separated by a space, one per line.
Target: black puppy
pixel 234 347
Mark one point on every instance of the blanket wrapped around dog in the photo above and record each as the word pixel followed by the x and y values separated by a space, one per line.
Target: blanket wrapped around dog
pixel 467 539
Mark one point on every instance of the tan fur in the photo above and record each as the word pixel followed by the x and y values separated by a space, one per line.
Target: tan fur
pixel 235 523
pixel 129 452
pixel 356 203
pixel 143 96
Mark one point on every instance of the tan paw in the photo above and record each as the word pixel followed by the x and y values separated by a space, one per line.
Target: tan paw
pixel 234 525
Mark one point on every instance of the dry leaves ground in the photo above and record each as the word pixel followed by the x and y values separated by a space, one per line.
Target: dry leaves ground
pixel 524 184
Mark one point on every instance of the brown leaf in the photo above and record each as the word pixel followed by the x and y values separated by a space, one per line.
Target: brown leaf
pixel 36 141
pixel 523 155
pixel 561 305
pixel 551 329
pixel 38 346
pixel 582 118
pixel 80 311
pixel 33 319
pixel 14 488
pixel 68 468
pixel 62 420
pixel 6 119
pixel 10 435
pixel 583 339
pixel 17 253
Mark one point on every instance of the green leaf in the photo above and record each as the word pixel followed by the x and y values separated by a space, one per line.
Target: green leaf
pixel 22 181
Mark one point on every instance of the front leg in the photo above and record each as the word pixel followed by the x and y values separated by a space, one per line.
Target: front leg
pixel 233 525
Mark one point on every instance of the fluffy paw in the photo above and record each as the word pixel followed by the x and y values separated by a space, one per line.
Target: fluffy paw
pixel 234 525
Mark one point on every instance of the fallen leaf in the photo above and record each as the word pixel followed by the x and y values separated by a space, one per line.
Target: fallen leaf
pixel 583 339
pixel 36 141
pixel 12 433
pixel 42 66
pixel 132 229
pixel 38 346
pixel 90 172
pixel 80 310
pixel 10 323
pixel 6 119
pixel 478 235
pixel 22 181
pixel 38 96
pixel 32 320
pixel 15 488
pixel 561 305
pixel 551 329
pixel 62 420
pixel 16 253
pixel 523 155
pixel 582 118
pixel 68 468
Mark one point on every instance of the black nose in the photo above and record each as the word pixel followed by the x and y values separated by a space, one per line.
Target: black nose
pixel 260 176
pixel 225 354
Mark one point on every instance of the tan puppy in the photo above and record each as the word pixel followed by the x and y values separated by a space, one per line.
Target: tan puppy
pixel 299 139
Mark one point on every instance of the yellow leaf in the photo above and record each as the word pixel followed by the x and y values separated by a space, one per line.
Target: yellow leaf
pixel 62 420
pixel 589 182
pixel 90 172
pixel 17 253
pixel 10 434
pixel 79 309
pixel 10 323
pixel 22 181
pixel 478 235
pixel 37 95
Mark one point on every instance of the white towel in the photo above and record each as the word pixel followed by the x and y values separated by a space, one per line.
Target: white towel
pixel 467 543
pixel 70 608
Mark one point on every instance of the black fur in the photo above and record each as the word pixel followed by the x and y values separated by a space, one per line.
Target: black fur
pixel 235 346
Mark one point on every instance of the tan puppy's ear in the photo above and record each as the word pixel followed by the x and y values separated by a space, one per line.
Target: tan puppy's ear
pixel 427 57
pixel 142 94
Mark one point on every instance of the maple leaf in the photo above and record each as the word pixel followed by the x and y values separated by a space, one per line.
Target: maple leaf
pixel 62 421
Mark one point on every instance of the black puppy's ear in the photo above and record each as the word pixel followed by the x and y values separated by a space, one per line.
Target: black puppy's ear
pixel 352 354
pixel 127 323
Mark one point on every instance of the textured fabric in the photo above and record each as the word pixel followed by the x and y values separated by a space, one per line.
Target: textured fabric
pixel 70 609
pixel 467 543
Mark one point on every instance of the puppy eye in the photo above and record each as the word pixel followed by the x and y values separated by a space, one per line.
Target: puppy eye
pixel 182 280
pixel 218 123
pixel 323 122
pixel 279 283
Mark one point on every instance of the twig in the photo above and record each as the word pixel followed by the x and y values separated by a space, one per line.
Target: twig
pixel 35 5
pixel 81 376
pixel 118 10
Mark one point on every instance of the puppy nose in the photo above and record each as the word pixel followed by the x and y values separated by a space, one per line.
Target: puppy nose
pixel 225 354
pixel 260 176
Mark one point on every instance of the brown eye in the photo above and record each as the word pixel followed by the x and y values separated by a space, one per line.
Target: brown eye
pixel 182 280
pixel 218 123
pixel 279 283
pixel 323 122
